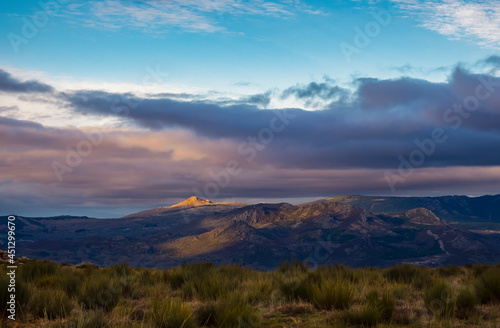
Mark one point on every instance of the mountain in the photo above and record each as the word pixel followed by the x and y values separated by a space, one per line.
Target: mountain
pixel 478 213
pixel 193 206
pixel 260 235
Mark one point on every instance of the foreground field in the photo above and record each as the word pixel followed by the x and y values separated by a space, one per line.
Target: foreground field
pixel 203 295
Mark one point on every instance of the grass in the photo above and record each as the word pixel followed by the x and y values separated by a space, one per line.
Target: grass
pixel 368 316
pixel 331 294
pixel 51 304
pixel 488 285
pixel 294 295
pixel 99 291
pixel 22 293
pixel 439 300
pixel 408 274
pixel 171 313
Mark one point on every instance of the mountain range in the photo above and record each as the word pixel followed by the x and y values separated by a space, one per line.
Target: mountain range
pixel 354 230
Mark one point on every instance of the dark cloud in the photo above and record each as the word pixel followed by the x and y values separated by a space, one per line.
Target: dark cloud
pixel 262 99
pixel 149 168
pixel 346 149
pixel 383 120
pixel 388 94
pixel 10 84
pixel 314 90
pixel 491 60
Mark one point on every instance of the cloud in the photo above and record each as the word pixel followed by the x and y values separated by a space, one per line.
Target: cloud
pixel 244 84
pixel 7 109
pixel 380 122
pixel 144 168
pixel 475 21
pixel 170 144
pixel 314 90
pixel 189 15
pixel 13 85
pixel 491 62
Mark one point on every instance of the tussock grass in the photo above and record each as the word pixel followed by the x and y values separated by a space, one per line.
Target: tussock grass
pixel 488 285
pixel 439 300
pixel 36 269
pixel 233 312
pixel 331 294
pixel 86 319
pixel 171 313
pixel 294 295
pixel 100 291
pixel 368 316
pixel 51 304
pixel 22 293
pixel 466 302
pixel 416 276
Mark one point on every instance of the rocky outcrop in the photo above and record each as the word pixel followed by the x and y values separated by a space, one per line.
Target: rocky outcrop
pixel 423 216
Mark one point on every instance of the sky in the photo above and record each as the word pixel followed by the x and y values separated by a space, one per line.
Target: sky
pixel 111 107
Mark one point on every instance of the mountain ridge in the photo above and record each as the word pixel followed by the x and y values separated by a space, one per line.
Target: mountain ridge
pixel 260 235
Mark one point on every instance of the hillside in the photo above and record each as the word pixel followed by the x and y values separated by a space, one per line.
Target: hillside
pixel 469 212
pixel 261 235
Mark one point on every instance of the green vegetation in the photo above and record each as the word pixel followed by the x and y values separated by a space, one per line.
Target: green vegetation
pixel 171 313
pixel 204 295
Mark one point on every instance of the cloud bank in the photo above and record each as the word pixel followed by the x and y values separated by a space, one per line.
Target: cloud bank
pixel 188 15
pixel 167 148
pixel 476 21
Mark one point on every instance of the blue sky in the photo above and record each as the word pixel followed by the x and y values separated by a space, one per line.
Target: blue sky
pixel 107 107
pixel 219 43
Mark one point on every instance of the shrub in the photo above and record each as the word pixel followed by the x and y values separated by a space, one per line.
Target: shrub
pixel 50 303
pixel 171 313
pixel 384 304
pixel 258 290
pixel 99 291
pixel 233 311
pixel 213 286
pixel 121 269
pixel 449 271
pixel 187 290
pixel 294 284
pixel 205 314
pixel 35 269
pixel 487 285
pixel 439 300
pixel 197 269
pixel 408 274
pixel 293 265
pixel 332 294
pixel 479 269
pixel 466 301
pixel 70 280
pixel 88 266
pixel 91 319
pixel 372 296
pixel 21 292
pixel 174 277
pixel 368 316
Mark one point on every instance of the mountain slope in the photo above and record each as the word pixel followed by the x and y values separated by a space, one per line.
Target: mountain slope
pixel 261 235
pixel 470 212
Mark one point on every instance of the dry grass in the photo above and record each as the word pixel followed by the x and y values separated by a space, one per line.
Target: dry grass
pixel 203 295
